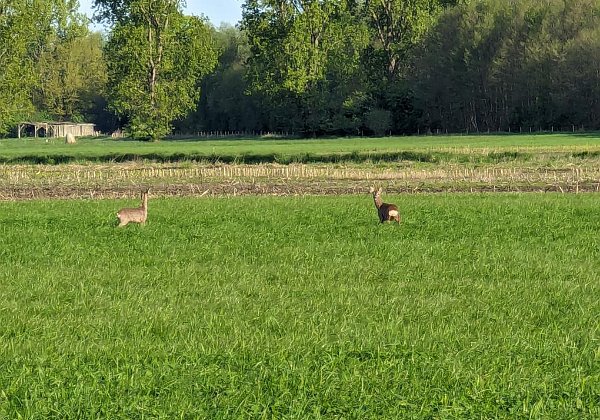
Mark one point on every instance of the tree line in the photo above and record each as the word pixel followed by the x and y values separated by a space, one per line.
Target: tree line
pixel 311 67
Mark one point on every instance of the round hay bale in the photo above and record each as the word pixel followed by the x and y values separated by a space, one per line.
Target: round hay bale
pixel 70 139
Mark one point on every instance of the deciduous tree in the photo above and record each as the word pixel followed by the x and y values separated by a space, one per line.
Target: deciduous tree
pixel 298 47
pixel 29 32
pixel 156 60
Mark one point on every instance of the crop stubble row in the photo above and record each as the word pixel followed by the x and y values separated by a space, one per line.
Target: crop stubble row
pixel 121 180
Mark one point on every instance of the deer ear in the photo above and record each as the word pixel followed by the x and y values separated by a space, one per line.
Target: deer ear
pixel 379 190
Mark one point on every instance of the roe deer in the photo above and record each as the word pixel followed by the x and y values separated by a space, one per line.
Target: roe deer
pixel 387 212
pixel 135 215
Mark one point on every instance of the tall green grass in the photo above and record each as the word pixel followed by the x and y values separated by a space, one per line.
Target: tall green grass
pixel 418 148
pixel 477 306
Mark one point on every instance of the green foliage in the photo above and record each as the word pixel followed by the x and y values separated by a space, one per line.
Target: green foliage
pixel 476 306
pixel 156 60
pixel 19 39
pixel 397 27
pixel 495 65
pixel 225 104
pixel 476 66
pixel 304 55
pixel 379 121
pixel 48 63
pixel 72 77
pixel 327 67
pixel 455 149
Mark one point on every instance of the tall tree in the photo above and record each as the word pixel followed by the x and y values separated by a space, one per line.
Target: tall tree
pixel 496 65
pixel 293 45
pixel 16 65
pixel 397 28
pixel 28 32
pixel 224 104
pixel 71 69
pixel 156 60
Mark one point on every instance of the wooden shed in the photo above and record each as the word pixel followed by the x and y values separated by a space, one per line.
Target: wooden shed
pixel 58 129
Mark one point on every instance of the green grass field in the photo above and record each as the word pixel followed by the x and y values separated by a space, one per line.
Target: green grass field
pixel 477 306
pixel 417 148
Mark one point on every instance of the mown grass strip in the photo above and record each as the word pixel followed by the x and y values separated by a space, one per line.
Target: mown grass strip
pixel 473 149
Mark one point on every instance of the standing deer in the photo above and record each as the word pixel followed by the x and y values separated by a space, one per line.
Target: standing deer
pixel 135 215
pixel 387 212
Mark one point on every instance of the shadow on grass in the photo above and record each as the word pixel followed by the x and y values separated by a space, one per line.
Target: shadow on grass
pixel 262 158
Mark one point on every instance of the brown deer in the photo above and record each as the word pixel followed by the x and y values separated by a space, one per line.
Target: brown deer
pixel 387 212
pixel 135 215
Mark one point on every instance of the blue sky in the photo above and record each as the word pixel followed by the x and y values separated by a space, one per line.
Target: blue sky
pixel 217 11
